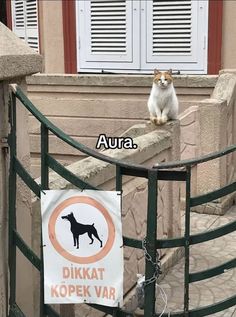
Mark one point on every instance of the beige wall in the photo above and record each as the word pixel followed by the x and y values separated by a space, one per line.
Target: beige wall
pixel 51 35
pixel 229 34
pixel 16 61
pixel 206 128
pixel 84 106
pixel 52 46
pixel 3 200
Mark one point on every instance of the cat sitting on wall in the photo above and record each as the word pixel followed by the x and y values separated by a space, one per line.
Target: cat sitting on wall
pixel 163 103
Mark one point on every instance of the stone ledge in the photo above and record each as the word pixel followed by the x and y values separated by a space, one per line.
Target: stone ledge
pixel 225 86
pixel 90 168
pixel 19 66
pixel 227 70
pixel 193 81
pixel 17 59
pixel 144 128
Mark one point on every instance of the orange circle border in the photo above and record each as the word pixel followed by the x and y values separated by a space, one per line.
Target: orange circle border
pixel 52 234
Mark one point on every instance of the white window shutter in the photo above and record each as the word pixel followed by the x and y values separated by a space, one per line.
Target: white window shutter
pixel 25 21
pixel 176 35
pixel 107 34
pixel 18 16
pixel 32 23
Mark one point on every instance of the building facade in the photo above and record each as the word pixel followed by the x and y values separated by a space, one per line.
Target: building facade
pixel 111 36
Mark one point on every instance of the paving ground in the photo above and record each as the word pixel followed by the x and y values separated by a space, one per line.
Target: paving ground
pixel 203 256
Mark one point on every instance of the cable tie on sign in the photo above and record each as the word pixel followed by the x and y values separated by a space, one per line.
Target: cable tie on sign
pixel 87 186
pixel 43 192
pixel 83 188
pixel 120 192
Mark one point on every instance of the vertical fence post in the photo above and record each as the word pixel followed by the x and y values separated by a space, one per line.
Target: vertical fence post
pixel 44 185
pixel 12 204
pixel 44 152
pixel 150 294
pixel 118 188
pixel 187 235
pixel 118 178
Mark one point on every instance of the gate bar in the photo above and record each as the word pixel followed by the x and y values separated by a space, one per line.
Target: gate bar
pixel 26 177
pixel 66 174
pixel 214 271
pixel 187 237
pixel 12 203
pixel 159 173
pixel 44 185
pixel 150 298
pixel 28 253
pixel 216 194
pixel 44 152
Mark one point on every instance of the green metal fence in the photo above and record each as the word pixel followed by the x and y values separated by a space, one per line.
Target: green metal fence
pixel 175 171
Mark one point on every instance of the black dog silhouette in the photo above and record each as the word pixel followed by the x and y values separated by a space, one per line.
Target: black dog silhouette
pixel 78 229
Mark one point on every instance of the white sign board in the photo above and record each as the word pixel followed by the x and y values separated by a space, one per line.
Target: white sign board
pixel 82 247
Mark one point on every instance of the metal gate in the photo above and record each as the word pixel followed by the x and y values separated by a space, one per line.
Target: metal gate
pixel 175 171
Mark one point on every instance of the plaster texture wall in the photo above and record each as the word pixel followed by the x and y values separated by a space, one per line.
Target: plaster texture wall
pixel 86 105
pixel 24 270
pixel 228 58
pixel 3 200
pixel 210 127
pixel 51 36
pixel 111 104
pixel 16 61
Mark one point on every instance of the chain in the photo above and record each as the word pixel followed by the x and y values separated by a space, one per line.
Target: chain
pixel 156 264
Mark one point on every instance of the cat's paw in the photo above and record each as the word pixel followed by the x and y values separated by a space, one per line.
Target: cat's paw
pixel 153 120
pixel 158 121
pixel 164 119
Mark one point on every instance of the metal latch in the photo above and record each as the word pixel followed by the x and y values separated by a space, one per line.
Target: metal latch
pixel 3 143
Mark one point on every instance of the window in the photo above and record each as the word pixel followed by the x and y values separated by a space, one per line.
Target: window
pixel 25 21
pixel 137 36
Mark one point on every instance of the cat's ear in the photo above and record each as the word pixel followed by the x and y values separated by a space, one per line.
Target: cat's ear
pixel 156 71
pixel 170 71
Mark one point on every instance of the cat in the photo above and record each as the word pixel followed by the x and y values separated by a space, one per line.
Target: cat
pixel 163 103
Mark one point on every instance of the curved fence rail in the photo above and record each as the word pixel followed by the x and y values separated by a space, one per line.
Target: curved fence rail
pixel 164 171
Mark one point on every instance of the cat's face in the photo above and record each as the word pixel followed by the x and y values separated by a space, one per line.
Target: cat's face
pixel 162 79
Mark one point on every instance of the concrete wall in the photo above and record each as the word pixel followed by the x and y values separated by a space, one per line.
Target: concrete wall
pixel 3 200
pixel 16 61
pixel 210 127
pixel 155 145
pixel 86 105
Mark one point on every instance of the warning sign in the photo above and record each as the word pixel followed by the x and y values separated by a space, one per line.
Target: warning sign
pixel 83 254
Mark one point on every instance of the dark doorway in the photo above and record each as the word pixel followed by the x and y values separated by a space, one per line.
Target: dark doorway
pixel 3 12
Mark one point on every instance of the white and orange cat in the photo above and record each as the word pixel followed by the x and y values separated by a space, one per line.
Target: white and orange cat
pixel 163 103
